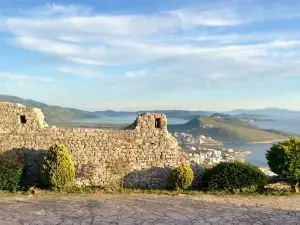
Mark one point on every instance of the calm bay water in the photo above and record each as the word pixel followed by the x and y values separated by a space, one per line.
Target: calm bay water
pixel 285 124
pixel 125 119
pixel 258 157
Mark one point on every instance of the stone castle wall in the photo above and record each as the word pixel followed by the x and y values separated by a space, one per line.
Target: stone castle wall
pixel 148 151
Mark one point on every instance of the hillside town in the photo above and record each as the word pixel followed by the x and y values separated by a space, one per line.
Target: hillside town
pixel 205 150
pixel 189 140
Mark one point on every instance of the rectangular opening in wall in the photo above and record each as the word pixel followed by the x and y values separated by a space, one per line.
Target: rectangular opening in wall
pixel 23 119
pixel 157 123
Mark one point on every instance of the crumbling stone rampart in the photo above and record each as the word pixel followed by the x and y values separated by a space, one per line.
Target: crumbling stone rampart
pixel 149 150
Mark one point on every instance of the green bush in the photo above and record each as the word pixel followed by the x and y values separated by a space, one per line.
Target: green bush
pixel 284 159
pixel 11 170
pixel 182 177
pixel 57 171
pixel 234 177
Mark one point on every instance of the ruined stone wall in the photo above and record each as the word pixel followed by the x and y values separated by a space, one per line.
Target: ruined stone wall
pixel 148 151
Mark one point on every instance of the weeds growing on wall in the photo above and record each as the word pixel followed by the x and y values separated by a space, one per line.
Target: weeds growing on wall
pixel 119 167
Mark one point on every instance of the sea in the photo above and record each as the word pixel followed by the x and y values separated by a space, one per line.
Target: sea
pixel 125 120
pixel 290 124
pixel 258 156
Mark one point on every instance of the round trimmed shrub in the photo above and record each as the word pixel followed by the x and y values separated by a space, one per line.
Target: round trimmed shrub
pixel 234 177
pixel 57 171
pixel 182 177
pixel 11 170
pixel 284 159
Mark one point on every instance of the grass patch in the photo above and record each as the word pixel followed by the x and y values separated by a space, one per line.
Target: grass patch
pixel 93 190
pixel 266 192
pixel 129 191
pixel 84 191
pixel 279 192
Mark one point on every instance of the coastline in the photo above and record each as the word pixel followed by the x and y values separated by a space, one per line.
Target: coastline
pixel 257 142
pixel 246 152
pixel 268 142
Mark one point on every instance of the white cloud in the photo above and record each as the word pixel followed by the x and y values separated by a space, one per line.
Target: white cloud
pixel 81 72
pixel 53 9
pixel 20 83
pixel 135 74
pixel 237 38
pixel 21 77
pixel 169 45
pixel 135 54
pixel 47 46
pixel 70 24
pixel 194 17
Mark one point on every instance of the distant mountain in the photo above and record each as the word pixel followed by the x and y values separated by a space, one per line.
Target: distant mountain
pixel 222 116
pixel 225 128
pixel 243 117
pixel 183 114
pixel 115 113
pixel 266 112
pixel 82 112
pixel 57 114
pixel 26 102
pixel 53 114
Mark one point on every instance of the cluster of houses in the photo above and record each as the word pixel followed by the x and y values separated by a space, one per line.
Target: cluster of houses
pixel 214 156
pixel 189 140
pixel 208 152
pixel 205 150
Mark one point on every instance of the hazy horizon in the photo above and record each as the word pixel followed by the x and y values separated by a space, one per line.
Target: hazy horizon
pixel 136 110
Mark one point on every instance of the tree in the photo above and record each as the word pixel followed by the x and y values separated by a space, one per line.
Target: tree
pixel 284 159
pixel 57 170
pixel 182 177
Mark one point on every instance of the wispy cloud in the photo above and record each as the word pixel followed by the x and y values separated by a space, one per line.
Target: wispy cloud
pixel 242 38
pixel 53 9
pixel 81 72
pixel 206 16
pixel 21 77
pixel 135 74
pixel 70 23
pixel 170 45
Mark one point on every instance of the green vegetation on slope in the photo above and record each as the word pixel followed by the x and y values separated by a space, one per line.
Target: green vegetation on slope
pixel 53 114
pixel 56 114
pixel 228 130
pixel 26 102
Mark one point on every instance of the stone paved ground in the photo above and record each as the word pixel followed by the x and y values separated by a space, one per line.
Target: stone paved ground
pixel 149 209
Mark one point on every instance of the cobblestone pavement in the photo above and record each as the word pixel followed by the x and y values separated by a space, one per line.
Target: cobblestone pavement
pixel 149 209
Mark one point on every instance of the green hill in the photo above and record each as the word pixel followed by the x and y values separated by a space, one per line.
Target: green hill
pixel 56 115
pixel 229 130
pixel 53 114
pixel 26 102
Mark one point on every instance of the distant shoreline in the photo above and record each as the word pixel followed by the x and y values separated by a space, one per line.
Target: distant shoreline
pixel 246 152
pixel 268 142
pixel 256 142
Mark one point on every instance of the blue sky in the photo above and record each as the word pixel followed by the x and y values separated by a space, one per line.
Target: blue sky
pixel 139 55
